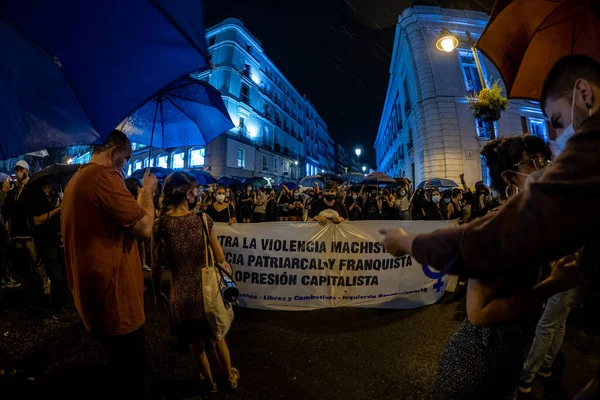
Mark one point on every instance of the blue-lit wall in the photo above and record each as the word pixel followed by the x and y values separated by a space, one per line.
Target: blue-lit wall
pixel 426 128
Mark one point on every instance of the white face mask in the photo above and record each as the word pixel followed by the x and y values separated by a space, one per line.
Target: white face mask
pixel 447 201
pixel 354 197
pixel 403 193
pixel 220 198
pixel 435 199
pixel 569 131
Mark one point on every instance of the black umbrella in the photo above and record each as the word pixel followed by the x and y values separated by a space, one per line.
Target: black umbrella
pixel 256 182
pixel 59 174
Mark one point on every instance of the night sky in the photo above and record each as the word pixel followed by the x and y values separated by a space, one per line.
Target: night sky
pixel 337 52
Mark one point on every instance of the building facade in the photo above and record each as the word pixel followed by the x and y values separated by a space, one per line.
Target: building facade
pixel 278 134
pixel 426 129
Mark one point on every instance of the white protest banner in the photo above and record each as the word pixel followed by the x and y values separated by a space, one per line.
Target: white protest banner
pixel 303 266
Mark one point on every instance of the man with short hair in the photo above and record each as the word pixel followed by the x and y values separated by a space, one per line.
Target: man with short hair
pixel 16 210
pixel 100 224
pixel 492 245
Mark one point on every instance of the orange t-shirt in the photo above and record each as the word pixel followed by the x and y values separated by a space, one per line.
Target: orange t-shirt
pixel 103 263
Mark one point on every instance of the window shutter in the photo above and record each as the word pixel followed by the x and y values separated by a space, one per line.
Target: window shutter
pixel 524 125
pixel 551 131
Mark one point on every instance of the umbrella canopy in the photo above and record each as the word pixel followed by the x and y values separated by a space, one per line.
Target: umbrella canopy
pixel 378 178
pixel 227 180
pixel 3 177
pixel 312 180
pixel 524 38
pixel 187 112
pixel 203 177
pixel 256 182
pixel 72 70
pixel 59 174
pixel 352 177
pixel 290 185
pixel 161 173
pixel 437 183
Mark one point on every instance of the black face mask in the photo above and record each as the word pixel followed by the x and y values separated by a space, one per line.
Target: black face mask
pixel 330 197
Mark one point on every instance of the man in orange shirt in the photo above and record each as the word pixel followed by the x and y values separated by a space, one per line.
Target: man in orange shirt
pixel 100 224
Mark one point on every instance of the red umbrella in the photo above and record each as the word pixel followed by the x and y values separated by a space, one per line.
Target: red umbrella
pixel 524 38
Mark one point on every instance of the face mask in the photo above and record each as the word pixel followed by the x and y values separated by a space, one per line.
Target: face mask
pixel 403 193
pixel 354 197
pixel 227 195
pixel 330 197
pixel 447 201
pixel 569 131
pixel 220 198
pixel 435 199
pixel 125 168
pixel 296 194
pixel 495 195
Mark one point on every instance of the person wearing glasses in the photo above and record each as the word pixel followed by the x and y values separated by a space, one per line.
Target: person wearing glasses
pixel 487 352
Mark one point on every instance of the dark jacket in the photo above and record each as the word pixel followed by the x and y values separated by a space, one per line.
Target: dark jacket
pixel 17 212
pixel 537 226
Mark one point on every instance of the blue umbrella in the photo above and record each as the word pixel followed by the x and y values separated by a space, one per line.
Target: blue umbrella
pixel 72 70
pixel 256 182
pixel 227 180
pixel 290 185
pixel 312 180
pixel 161 173
pixel 437 183
pixel 188 112
pixel 352 177
pixel 203 177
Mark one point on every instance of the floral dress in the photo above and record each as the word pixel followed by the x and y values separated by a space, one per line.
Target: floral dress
pixel 182 247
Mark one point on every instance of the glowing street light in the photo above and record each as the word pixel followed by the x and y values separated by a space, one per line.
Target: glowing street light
pixel 296 162
pixel 70 161
pixel 364 168
pixel 447 42
pixel 322 171
pixel 358 151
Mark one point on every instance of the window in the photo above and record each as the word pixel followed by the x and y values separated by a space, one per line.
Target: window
pixel 407 102
pixel 162 161
pixel 485 172
pixel 146 163
pixel 212 40
pixel 196 158
pixel 137 165
pixel 129 170
pixel 242 124
pixel 275 165
pixel 246 72
pixel 241 158
pixel 410 143
pixel 265 163
pixel 177 161
pixel 485 129
pixel 469 70
pixel 286 166
pixel 537 127
pixel 244 96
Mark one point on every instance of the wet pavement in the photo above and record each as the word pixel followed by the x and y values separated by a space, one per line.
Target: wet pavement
pixel 349 354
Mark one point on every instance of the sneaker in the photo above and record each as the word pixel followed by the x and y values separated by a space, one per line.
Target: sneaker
pixel 146 268
pixel 524 387
pixel 545 372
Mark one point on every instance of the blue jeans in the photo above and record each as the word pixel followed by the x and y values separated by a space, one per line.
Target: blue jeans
pixel 549 334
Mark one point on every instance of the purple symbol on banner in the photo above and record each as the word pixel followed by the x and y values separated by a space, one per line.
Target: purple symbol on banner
pixel 434 275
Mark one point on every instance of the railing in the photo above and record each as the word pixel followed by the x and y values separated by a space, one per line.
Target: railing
pixel 486 129
pixel 473 85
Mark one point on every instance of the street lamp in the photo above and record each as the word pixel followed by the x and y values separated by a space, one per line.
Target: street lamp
pixel 448 42
pixel 358 152
pixel 364 168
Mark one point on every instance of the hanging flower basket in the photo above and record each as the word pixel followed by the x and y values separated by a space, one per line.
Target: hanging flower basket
pixel 489 115
pixel 488 103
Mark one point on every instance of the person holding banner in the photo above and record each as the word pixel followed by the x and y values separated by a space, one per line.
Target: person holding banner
pixel 486 354
pixel 179 241
pixel 319 210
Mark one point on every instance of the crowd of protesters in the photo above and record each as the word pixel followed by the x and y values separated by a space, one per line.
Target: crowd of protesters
pixel 490 352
